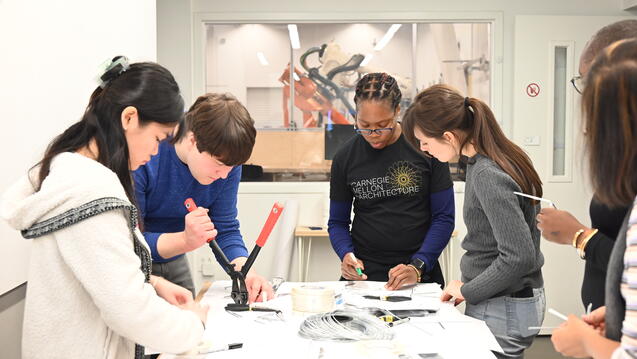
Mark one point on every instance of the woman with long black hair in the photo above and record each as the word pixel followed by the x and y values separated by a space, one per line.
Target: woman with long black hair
pixel 90 292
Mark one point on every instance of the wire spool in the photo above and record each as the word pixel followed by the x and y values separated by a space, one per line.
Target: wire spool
pixel 344 325
pixel 312 299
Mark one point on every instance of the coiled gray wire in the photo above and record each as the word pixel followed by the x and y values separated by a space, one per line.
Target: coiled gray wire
pixel 344 325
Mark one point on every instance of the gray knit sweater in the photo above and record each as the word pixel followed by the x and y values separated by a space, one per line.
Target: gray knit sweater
pixel 502 242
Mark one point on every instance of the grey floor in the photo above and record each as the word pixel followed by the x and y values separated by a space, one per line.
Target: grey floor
pixel 542 348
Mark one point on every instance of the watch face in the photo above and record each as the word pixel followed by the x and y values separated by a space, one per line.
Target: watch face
pixel 418 263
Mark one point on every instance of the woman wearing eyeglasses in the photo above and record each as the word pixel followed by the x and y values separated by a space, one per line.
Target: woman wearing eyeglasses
pixel 609 108
pixel 594 243
pixel 403 201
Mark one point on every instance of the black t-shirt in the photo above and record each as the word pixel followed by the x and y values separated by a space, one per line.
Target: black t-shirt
pixel 390 189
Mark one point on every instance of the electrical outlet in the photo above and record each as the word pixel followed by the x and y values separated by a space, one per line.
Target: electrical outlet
pixel 207 267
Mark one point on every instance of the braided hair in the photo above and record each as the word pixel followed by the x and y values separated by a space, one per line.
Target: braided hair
pixel 378 86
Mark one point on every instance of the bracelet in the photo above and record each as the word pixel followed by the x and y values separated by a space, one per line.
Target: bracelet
pixel 577 234
pixel 582 247
pixel 417 271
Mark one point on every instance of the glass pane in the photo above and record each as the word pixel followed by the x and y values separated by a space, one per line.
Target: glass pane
pixel 455 54
pixel 559 111
pixel 300 127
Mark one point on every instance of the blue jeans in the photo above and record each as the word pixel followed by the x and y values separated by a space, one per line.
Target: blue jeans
pixel 509 320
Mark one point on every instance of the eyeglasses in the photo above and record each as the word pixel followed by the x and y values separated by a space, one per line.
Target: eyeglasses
pixel 578 83
pixel 378 131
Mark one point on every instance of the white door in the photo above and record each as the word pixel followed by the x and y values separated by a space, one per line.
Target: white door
pixel 546 123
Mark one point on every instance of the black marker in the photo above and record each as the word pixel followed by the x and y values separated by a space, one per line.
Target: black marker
pixel 222 348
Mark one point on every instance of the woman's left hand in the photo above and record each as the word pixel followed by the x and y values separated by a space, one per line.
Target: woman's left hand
pixel 452 290
pixel 401 275
pixel 568 338
pixel 171 292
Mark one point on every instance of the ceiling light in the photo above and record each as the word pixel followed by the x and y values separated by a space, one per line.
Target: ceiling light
pixel 387 37
pixel 367 59
pixel 294 36
pixel 262 59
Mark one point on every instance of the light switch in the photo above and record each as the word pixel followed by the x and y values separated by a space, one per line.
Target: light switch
pixel 532 140
pixel 207 266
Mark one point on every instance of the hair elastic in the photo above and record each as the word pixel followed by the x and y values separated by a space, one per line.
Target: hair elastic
pixel 106 74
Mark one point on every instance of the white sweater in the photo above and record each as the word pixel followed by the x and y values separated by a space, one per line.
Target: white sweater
pixel 86 295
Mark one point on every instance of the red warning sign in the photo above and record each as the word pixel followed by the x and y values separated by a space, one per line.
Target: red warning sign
pixel 533 89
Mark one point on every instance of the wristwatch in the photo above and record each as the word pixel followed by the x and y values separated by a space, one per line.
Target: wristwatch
pixel 418 265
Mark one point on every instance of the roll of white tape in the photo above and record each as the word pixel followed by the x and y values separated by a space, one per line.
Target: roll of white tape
pixel 312 299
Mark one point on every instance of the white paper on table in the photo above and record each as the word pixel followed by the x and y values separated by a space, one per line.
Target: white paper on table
pixel 432 338
pixel 423 296
pixel 376 288
pixel 427 303
pixel 474 333
pixel 428 289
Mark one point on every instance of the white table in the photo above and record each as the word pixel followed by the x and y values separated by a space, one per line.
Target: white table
pixel 448 333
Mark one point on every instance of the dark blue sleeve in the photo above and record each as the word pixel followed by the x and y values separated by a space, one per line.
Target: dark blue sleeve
pixel 439 233
pixel 141 183
pixel 223 213
pixel 338 227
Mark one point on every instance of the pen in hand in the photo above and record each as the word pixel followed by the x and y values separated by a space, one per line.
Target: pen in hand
pixel 557 314
pixel 536 198
pixel 358 270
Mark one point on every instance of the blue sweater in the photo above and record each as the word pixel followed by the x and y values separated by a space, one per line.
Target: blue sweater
pixel 162 186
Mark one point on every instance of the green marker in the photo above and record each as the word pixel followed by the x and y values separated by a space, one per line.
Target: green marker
pixel 358 270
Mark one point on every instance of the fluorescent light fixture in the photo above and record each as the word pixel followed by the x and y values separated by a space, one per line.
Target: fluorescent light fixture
pixel 296 77
pixel 367 59
pixel 387 37
pixel 262 59
pixel 294 36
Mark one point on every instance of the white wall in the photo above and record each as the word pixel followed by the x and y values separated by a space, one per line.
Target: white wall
pixel 51 53
pixel 51 58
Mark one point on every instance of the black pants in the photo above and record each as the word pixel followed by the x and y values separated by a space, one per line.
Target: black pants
pixel 176 271
pixel 380 272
